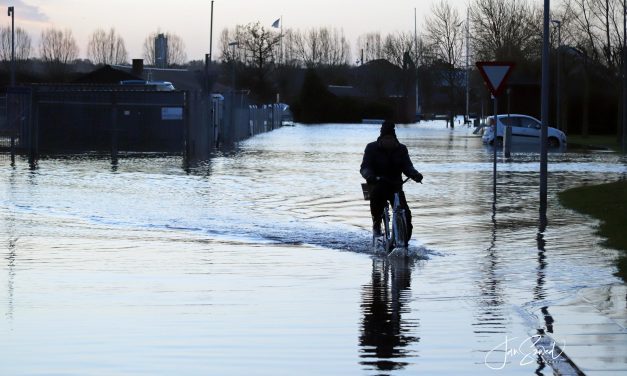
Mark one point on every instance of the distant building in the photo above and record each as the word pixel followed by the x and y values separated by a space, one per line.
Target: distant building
pixel 161 51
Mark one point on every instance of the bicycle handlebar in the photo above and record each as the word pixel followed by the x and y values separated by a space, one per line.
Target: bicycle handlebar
pixel 383 178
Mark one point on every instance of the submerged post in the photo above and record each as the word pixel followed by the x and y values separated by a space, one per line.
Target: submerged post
pixel 507 137
pixel 114 130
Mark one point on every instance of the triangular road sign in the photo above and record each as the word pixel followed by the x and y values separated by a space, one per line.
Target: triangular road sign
pixel 495 74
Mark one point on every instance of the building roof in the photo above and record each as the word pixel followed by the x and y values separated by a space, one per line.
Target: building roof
pixel 106 75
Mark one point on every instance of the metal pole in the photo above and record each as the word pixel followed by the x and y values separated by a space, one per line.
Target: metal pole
pixel 211 34
pixel 496 127
pixel 467 65
pixel 281 42
pixel 558 73
pixel 559 76
pixel 507 137
pixel 12 14
pixel 417 111
pixel 624 76
pixel 544 113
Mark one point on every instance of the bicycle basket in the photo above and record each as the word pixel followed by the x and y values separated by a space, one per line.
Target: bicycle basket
pixel 365 189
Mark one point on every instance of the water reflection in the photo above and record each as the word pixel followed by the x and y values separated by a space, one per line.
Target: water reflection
pixel 11 254
pixel 490 318
pixel 539 293
pixel 385 336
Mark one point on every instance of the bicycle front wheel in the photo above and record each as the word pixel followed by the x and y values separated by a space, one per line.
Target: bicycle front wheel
pixel 400 231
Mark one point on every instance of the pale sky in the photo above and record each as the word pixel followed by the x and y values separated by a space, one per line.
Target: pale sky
pixel 190 19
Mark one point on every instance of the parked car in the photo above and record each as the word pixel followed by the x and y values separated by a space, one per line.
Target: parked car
pixel 525 129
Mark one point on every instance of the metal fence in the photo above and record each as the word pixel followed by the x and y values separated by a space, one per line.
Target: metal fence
pixel 59 119
pixel 236 119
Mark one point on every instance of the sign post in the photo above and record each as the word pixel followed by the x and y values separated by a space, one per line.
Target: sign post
pixel 495 74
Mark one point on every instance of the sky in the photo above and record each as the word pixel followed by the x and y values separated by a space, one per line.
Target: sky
pixel 190 19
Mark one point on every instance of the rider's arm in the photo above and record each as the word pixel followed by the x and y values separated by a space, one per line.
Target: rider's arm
pixel 408 167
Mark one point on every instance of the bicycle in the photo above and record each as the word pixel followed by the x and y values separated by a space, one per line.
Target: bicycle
pixel 394 240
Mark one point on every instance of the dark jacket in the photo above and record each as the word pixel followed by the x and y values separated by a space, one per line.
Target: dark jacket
pixel 387 158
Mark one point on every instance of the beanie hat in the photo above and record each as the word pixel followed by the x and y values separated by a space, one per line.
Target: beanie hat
pixel 387 128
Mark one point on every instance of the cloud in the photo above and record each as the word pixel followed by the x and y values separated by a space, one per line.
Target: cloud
pixel 28 12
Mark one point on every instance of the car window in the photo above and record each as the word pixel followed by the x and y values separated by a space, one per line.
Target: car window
pixel 510 120
pixel 529 123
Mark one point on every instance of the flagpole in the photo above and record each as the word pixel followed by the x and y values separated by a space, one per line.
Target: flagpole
pixel 281 42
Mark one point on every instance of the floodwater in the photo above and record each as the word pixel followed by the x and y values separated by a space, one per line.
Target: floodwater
pixel 258 262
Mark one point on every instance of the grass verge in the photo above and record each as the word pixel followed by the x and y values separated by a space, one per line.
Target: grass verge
pixel 608 203
pixel 607 142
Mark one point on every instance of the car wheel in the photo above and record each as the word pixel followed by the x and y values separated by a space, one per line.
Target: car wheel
pixel 553 142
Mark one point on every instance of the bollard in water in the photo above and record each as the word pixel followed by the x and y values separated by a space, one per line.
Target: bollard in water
pixel 507 142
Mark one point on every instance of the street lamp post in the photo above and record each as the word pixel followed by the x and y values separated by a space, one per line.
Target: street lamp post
pixel 211 34
pixel 233 45
pixel 467 66
pixel 544 114
pixel 624 76
pixel 559 71
pixel 12 15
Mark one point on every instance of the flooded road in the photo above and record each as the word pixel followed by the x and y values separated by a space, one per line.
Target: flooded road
pixel 258 262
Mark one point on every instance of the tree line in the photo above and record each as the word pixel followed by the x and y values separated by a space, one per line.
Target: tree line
pixel 58 47
pixel 497 30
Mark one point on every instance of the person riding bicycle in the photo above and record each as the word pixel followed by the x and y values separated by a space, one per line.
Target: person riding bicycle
pixel 383 163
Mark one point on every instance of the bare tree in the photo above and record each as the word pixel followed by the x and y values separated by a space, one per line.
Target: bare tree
pixel 445 29
pixel 106 47
pixel 322 46
pixel 176 48
pixel 395 47
pixel 445 33
pixel 22 44
pixel 370 46
pixel 260 42
pixel 506 30
pixel 58 46
pixel 230 42
pixel 290 49
pixel 595 26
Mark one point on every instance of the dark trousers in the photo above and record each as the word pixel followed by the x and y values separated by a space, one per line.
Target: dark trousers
pixel 380 195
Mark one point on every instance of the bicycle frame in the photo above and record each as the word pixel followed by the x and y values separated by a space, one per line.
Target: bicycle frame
pixel 394 237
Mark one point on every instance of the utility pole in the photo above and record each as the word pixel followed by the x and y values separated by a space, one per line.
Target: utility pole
pixel 624 76
pixel 418 110
pixel 12 14
pixel 544 114
pixel 467 65
pixel 211 34
pixel 558 72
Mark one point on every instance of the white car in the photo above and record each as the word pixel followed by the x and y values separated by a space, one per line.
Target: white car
pixel 525 129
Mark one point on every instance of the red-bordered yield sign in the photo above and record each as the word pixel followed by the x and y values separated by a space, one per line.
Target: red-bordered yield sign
pixel 495 74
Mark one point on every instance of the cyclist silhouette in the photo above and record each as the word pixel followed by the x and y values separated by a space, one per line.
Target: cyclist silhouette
pixel 384 162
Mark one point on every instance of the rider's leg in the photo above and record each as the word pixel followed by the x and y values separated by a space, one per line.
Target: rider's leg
pixel 378 201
